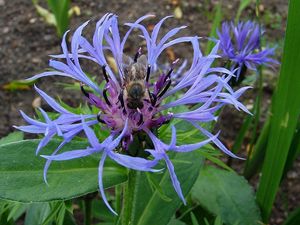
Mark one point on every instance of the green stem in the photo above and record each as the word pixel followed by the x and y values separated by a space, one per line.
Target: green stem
pixel 129 192
pixel 255 160
pixel 118 198
pixel 118 194
pixel 257 106
pixel 256 111
pixel 248 122
pixel 242 133
pixel 240 137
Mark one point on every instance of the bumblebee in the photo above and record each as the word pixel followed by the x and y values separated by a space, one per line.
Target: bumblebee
pixel 135 76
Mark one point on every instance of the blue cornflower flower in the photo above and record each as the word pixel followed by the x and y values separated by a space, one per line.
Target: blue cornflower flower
pixel 241 45
pixel 133 98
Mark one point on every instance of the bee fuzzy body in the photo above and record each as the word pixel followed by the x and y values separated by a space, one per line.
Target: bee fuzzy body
pixel 135 95
pixel 135 91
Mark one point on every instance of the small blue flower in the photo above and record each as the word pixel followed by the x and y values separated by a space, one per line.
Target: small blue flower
pixel 133 99
pixel 241 45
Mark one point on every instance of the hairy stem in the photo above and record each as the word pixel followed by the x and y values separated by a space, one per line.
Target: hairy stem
pixel 129 192
pixel 118 194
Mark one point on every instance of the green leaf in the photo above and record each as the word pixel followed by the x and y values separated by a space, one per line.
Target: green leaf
pixel 17 210
pixel 242 6
pixel 48 17
pixel 216 23
pixel 285 113
pixel 218 221
pixel 60 217
pixel 60 9
pixel 294 218
pixel 101 212
pixel 21 173
pixel 17 85
pixel 194 219
pixel 209 153
pixel 75 10
pixel 155 186
pixel 37 213
pixel 4 220
pixel 69 219
pixel 226 194
pixel 12 137
pixel 148 205
pixel 55 209
pixel 174 221
pixel 294 150
pixel 206 221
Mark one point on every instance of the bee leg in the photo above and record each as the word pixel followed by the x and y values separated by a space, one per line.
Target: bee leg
pixel 140 105
pixel 99 119
pixel 166 121
pixel 168 75
pixel 106 98
pixel 171 70
pixel 141 117
pixel 164 90
pixel 148 73
pixel 105 74
pixel 137 54
pixel 121 99
pixel 86 94
pixel 141 120
pixel 153 98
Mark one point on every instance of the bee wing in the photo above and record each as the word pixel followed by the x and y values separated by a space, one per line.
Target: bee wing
pixel 141 67
pixel 127 61
pixel 143 60
pixel 134 71
pixel 126 64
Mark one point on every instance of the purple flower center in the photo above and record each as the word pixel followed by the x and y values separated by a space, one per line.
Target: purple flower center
pixel 137 100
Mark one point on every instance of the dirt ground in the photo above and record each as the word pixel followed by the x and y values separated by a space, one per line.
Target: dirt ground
pixel 26 41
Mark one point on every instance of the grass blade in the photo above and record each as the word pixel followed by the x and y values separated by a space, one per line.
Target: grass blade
pixel 242 6
pixel 216 23
pixel 294 218
pixel 285 112
pixel 60 10
pixel 294 150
